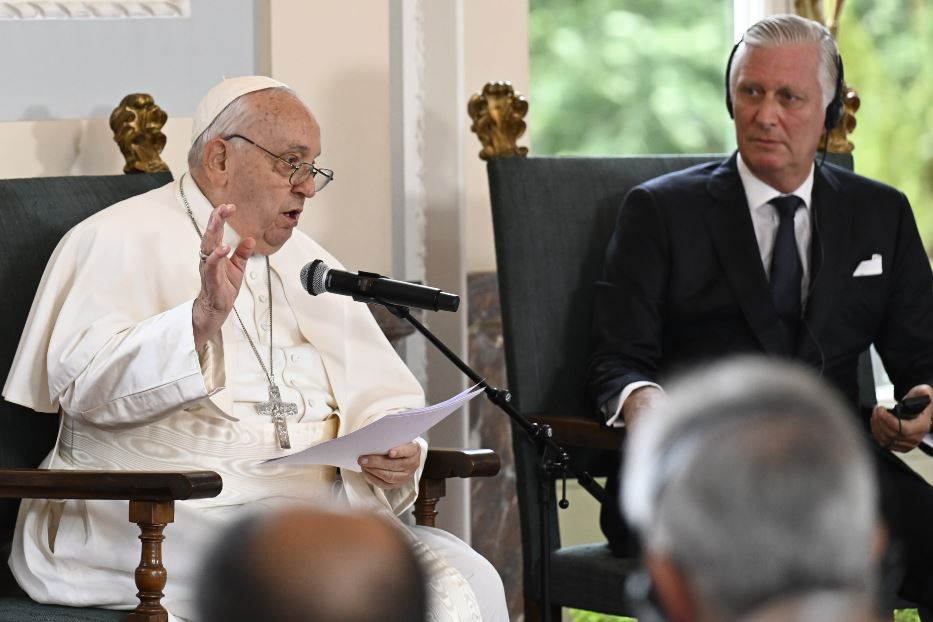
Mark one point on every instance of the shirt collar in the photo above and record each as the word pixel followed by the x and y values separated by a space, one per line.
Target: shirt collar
pixel 758 193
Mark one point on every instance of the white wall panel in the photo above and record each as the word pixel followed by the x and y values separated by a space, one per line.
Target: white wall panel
pixel 81 68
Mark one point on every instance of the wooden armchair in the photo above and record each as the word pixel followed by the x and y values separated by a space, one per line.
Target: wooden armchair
pixel 35 214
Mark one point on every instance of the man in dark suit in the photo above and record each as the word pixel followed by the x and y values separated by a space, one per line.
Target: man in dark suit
pixel 772 251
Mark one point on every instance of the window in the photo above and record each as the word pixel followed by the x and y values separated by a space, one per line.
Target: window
pixel 886 48
pixel 629 76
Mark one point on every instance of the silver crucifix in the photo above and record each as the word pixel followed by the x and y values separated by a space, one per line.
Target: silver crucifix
pixel 278 410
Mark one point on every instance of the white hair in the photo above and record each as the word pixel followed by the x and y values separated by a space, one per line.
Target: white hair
pixel 780 30
pixel 754 480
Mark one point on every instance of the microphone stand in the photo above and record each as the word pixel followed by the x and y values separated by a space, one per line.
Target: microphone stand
pixel 555 461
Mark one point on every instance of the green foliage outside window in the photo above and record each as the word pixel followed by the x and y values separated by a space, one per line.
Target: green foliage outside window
pixel 887 47
pixel 629 76
pixel 576 615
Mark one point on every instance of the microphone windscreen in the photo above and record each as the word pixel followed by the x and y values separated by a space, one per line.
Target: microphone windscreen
pixel 305 274
pixel 312 277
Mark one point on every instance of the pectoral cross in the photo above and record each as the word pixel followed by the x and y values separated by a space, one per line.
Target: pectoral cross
pixel 278 410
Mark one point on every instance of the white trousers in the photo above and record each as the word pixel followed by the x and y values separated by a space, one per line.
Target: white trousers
pixel 481 576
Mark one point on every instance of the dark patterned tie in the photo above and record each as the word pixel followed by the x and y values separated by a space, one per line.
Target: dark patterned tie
pixel 786 270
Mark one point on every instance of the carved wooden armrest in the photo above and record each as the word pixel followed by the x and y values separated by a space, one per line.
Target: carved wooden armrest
pixel 579 432
pixel 152 497
pixel 444 463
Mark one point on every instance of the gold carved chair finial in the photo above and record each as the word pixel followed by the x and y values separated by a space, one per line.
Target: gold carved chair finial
pixel 838 139
pixel 137 129
pixel 498 120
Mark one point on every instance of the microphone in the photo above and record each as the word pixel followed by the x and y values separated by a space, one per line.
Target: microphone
pixel 317 277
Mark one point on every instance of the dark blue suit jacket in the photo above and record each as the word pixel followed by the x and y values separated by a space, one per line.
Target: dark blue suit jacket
pixel 684 283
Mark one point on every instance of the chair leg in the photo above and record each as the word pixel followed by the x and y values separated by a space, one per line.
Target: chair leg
pixel 533 611
pixel 152 517
pixel 430 491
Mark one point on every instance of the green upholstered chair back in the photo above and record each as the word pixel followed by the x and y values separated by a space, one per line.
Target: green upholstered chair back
pixel 552 219
pixel 34 215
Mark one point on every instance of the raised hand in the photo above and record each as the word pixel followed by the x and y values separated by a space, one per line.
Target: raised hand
pixel 221 276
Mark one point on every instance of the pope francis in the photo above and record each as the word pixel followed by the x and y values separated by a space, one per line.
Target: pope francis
pixel 171 332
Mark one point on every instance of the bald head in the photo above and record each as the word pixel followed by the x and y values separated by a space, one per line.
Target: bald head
pixel 305 565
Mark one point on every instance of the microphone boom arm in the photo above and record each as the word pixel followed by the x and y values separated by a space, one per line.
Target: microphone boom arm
pixel 555 461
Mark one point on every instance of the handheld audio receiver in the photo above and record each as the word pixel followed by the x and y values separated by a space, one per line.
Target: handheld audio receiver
pixel 910 408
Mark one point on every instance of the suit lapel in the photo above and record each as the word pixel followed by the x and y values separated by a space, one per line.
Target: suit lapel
pixel 733 237
pixel 832 223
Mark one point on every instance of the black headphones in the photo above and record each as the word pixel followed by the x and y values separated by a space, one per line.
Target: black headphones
pixel 836 105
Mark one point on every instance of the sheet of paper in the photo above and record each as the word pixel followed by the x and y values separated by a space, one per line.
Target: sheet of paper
pixel 380 436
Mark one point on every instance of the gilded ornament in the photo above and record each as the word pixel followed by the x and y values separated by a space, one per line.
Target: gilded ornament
pixel 498 120
pixel 838 139
pixel 137 129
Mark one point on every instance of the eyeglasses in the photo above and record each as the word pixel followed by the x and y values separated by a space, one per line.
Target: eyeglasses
pixel 300 172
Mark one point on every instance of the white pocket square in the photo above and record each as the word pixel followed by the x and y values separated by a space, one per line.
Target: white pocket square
pixel 869 267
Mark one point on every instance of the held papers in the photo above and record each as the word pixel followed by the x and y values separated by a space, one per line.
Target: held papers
pixel 380 436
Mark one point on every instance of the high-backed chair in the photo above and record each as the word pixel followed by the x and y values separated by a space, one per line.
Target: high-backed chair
pixel 552 220
pixel 34 215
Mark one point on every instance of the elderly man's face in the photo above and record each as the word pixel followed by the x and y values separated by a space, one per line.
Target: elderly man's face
pixel 268 206
pixel 779 112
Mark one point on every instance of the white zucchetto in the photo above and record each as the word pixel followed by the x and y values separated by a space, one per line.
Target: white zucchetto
pixel 222 95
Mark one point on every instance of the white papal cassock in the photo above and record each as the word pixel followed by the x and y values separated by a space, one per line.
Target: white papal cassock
pixel 109 342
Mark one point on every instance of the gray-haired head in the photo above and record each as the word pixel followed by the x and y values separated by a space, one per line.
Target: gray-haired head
pixel 780 30
pixel 754 480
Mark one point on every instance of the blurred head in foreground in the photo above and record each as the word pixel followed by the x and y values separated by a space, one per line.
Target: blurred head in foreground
pixel 307 565
pixel 752 491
